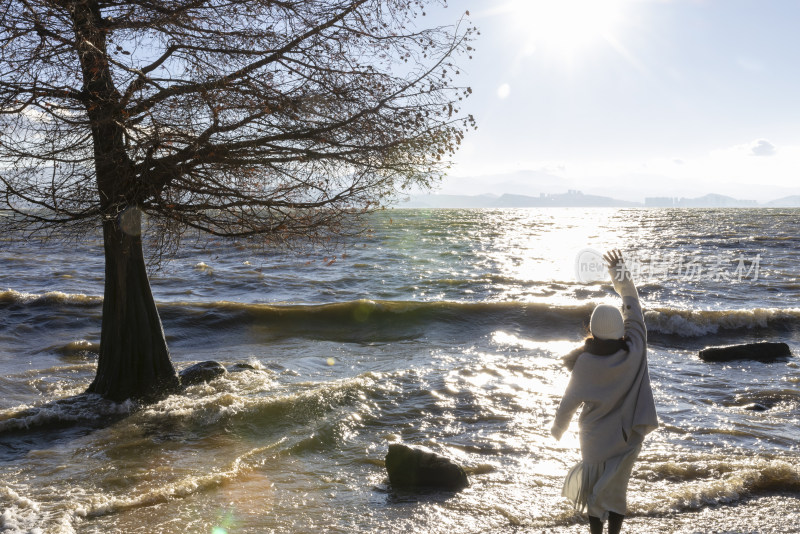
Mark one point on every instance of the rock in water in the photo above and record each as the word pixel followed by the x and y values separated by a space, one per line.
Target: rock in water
pixel 411 468
pixel 241 366
pixel 238 367
pixel 763 352
pixel 201 372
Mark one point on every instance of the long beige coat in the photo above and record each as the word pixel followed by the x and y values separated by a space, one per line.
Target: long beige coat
pixel 618 411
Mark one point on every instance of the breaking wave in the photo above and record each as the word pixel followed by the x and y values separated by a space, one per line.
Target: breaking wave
pixel 371 320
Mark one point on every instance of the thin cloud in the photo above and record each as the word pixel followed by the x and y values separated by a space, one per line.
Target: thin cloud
pixel 762 147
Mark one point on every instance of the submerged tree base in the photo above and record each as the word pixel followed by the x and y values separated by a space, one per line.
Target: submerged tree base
pixel 134 361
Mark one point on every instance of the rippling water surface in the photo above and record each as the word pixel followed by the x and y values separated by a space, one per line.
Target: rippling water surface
pixel 441 328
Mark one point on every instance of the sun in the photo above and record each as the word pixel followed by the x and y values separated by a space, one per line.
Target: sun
pixel 565 26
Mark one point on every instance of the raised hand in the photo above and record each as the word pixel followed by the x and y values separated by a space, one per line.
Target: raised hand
pixel 620 275
pixel 616 264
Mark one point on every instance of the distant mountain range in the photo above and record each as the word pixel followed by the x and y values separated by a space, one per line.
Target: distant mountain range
pixel 792 201
pixel 575 198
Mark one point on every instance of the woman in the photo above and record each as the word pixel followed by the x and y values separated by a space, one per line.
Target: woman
pixel 610 380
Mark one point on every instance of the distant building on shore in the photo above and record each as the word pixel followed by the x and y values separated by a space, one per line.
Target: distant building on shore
pixel 707 201
pixel 577 198
pixel 572 198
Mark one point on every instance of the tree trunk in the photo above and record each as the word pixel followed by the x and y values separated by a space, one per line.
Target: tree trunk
pixel 134 359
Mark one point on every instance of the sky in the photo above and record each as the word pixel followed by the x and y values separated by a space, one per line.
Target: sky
pixel 631 98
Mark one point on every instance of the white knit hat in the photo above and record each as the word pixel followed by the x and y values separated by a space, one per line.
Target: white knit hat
pixel 606 322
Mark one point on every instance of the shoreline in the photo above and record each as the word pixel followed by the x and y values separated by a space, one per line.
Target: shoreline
pixel 773 512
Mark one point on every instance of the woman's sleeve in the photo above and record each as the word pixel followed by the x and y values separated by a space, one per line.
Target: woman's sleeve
pixel 568 406
pixel 635 330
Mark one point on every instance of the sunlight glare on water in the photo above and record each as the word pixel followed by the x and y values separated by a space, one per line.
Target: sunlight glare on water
pixel 442 329
pixel 535 246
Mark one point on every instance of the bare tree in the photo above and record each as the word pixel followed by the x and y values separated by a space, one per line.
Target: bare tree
pixel 238 118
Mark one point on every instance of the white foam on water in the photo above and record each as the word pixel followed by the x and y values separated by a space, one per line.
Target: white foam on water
pixel 49 297
pixel 20 514
pixel 696 323
pixel 204 267
pixel 62 510
pixel 210 402
pixel 88 408
pixel 700 483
